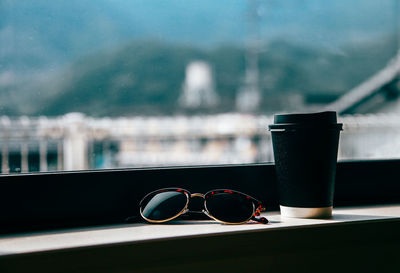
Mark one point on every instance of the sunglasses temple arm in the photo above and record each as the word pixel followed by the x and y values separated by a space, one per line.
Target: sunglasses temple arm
pixel 259 209
pixel 261 220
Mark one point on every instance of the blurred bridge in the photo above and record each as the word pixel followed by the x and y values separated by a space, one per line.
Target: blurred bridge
pixel 379 93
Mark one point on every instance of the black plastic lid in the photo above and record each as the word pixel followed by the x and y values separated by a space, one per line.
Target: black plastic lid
pixel 306 120
pixel 312 118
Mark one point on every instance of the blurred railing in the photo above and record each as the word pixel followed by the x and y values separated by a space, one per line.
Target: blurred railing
pixel 75 142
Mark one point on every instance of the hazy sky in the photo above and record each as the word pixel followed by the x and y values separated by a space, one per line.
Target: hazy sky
pixel 41 32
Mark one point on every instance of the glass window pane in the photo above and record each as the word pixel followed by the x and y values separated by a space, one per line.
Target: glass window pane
pixel 136 83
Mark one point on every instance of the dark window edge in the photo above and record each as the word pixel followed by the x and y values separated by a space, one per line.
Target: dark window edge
pixel 51 200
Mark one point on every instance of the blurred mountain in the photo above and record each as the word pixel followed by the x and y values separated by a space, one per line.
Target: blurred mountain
pixel 112 57
pixel 146 77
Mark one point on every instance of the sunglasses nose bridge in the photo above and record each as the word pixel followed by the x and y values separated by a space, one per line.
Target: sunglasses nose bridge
pixel 197 195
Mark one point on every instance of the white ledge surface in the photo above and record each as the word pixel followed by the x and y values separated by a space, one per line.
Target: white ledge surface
pixel 73 238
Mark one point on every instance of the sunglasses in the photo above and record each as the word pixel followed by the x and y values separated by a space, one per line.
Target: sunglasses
pixel 226 206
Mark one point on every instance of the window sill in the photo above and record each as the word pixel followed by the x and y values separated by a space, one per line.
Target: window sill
pixel 352 234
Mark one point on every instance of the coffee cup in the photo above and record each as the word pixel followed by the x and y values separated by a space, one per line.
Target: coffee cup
pixel 305 150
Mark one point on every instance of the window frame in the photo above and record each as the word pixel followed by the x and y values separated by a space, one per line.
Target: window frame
pixel 44 201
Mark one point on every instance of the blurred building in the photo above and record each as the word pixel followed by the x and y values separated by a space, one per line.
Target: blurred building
pixel 198 88
pixel 75 142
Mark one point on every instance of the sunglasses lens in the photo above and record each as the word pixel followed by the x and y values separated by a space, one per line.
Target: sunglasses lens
pixel 163 205
pixel 230 207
